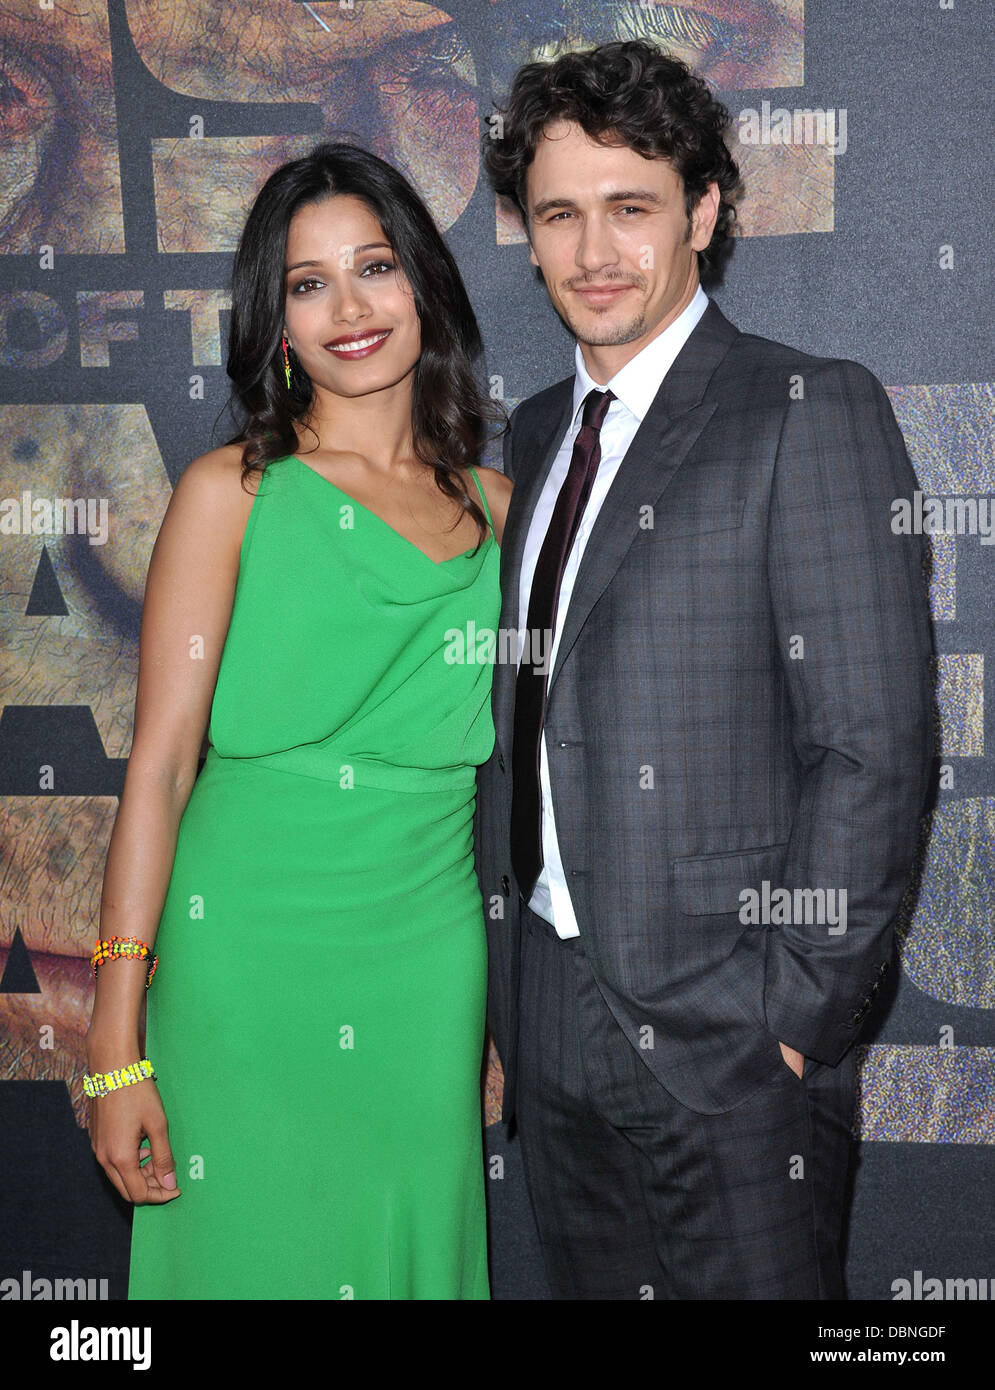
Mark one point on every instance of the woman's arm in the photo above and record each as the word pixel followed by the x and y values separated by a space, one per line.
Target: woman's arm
pixel 187 609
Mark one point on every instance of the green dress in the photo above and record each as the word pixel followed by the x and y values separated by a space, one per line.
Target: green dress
pixel 317 1017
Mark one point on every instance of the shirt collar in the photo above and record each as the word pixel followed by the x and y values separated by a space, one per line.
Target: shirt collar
pixel 637 383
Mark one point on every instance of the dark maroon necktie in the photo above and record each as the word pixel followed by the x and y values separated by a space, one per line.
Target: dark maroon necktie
pixel 531 685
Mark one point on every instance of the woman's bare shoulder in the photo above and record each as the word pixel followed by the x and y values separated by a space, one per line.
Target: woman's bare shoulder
pixel 497 490
pixel 214 480
pixel 217 469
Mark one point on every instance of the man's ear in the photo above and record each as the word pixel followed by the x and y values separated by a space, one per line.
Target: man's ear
pixel 704 217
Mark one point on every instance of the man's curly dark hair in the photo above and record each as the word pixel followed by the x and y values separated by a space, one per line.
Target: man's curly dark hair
pixel 630 91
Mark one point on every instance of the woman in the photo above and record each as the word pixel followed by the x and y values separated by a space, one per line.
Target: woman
pixel 316 1023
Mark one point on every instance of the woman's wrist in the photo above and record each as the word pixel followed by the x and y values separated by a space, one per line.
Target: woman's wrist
pixel 109 1051
pixel 99 1084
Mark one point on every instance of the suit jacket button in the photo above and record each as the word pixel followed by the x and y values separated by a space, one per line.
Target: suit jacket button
pixel 505 885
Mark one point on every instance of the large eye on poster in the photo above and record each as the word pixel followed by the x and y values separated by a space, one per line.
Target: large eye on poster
pixel 400 75
pixel 60 181
pixel 786 151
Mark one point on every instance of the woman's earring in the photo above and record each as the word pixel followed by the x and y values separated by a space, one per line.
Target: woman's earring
pixel 286 362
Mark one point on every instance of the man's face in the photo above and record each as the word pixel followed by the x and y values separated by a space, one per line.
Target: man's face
pixel 611 236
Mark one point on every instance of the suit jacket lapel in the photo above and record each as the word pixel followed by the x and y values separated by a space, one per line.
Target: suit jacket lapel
pixel 661 443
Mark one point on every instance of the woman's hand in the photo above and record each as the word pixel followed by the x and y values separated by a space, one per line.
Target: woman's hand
pixel 119 1122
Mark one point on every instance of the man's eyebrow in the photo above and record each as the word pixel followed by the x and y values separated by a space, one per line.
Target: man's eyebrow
pixel 625 195
pixel 357 250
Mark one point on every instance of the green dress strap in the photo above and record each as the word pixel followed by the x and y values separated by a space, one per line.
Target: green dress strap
pixel 483 497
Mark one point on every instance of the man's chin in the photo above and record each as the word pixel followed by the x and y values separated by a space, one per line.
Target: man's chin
pixel 600 331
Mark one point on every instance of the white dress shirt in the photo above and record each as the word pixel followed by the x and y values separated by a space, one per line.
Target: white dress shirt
pixel 635 385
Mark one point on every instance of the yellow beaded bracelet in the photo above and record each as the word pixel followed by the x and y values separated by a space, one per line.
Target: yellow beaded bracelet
pixel 126 946
pixel 103 1082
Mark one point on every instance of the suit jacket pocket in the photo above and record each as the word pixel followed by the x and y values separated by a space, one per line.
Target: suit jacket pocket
pixel 712 883
pixel 691 519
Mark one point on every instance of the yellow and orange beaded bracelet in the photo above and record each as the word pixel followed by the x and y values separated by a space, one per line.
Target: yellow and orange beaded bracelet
pixel 128 947
pixel 101 1083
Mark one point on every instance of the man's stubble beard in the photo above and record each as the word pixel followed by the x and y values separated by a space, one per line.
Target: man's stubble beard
pixel 609 335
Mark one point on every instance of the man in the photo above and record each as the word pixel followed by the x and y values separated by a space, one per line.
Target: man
pixel 701 810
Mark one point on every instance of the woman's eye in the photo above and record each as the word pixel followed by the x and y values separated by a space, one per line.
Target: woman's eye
pixel 379 266
pixel 303 285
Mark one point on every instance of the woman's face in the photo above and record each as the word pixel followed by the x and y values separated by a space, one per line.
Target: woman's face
pixel 343 282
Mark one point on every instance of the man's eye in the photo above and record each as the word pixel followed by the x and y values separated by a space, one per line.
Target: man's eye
pixel 557 215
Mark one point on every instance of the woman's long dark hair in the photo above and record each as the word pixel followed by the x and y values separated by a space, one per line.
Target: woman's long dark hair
pixel 449 407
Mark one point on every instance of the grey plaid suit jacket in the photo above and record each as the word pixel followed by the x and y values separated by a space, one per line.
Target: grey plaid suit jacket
pixel 742 693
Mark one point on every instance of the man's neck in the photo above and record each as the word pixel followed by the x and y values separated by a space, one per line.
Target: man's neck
pixel 602 362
